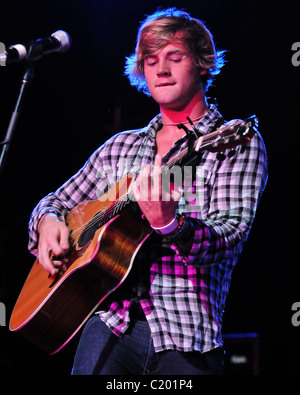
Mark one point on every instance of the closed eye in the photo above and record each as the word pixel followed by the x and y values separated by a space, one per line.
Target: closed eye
pixel 176 56
pixel 151 61
pixel 173 56
pixel 176 60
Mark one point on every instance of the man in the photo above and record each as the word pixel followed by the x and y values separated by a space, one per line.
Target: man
pixel 167 316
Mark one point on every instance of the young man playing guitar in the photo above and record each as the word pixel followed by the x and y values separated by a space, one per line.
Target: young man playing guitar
pixel 166 317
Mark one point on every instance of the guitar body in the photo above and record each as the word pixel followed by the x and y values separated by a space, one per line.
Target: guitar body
pixel 50 311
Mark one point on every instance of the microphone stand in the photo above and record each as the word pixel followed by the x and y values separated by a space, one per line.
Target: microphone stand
pixel 27 79
pixel 35 52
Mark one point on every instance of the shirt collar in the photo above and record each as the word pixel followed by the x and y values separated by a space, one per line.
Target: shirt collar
pixel 204 125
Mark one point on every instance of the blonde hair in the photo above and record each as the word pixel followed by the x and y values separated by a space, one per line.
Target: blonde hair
pixel 158 30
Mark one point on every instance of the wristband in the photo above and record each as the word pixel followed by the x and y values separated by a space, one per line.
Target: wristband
pixel 182 230
pixel 169 228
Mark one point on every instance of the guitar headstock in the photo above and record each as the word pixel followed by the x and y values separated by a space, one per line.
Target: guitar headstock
pixel 231 134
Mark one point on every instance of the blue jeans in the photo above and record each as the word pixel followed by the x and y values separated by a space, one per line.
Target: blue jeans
pixel 100 352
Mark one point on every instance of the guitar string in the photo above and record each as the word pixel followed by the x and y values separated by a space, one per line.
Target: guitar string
pixel 117 206
pixel 96 218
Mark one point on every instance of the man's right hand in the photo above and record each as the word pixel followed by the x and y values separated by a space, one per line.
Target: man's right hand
pixel 53 241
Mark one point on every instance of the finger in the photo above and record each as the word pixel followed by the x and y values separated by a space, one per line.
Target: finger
pixel 48 251
pixel 158 160
pixel 136 190
pixel 145 184
pixel 55 246
pixel 174 192
pixel 45 259
pixel 64 239
pixel 58 242
pixel 56 262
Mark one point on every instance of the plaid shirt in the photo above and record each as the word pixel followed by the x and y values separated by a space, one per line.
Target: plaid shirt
pixel 186 296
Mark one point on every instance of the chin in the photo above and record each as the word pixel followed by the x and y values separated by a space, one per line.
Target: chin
pixel 166 101
pixel 171 105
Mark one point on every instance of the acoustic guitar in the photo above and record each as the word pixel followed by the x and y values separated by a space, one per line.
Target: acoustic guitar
pixel 105 237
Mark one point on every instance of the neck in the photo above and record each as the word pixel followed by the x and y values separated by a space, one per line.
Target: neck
pixel 195 109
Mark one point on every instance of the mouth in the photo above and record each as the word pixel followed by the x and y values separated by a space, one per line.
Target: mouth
pixel 162 84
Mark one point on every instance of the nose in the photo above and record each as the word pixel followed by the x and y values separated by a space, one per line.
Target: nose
pixel 163 69
pixel 164 73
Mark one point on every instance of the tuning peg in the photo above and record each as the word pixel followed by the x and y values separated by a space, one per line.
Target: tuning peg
pixel 231 153
pixel 243 148
pixel 221 156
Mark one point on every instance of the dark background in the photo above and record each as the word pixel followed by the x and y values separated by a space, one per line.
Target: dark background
pixel 72 106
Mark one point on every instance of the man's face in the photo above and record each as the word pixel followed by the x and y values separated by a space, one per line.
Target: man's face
pixel 172 76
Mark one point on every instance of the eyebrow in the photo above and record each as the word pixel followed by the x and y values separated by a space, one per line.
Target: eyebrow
pixel 170 53
pixel 176 51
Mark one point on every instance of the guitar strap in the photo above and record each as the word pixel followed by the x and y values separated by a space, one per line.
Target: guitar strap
pixel 193 158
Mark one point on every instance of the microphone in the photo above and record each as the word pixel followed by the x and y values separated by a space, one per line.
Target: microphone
pixel 59 41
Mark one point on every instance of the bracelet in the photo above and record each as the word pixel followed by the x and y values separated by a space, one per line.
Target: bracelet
pixel 177 233
pixel 175 228
pixel 169 228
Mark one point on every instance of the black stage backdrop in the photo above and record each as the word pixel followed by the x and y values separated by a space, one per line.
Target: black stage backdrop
pixel 80 98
